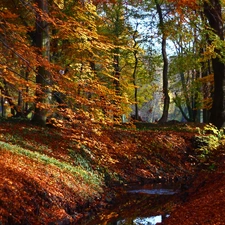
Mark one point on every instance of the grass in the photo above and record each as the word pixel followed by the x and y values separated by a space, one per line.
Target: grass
pixel 79 171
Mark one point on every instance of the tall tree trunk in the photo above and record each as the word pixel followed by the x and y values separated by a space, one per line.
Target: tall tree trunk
pixel 42 41
pixel 135 88
pixel 213 12
pixel 165 66
pixel 136 117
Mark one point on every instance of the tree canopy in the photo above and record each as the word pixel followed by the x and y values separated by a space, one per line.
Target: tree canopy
pixel 97 61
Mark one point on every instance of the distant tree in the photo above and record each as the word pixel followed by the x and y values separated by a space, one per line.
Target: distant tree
pixel 212 11
pixel 166 97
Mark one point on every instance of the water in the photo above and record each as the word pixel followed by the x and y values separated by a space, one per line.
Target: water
pixel 153 220
pixel 146 205
pixel 159 191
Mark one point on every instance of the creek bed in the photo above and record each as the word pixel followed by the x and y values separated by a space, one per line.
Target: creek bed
pixel 139 205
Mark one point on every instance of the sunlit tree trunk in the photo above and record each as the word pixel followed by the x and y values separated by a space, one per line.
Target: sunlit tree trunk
pixel 42 41
pixel 213 12
pixel 166 97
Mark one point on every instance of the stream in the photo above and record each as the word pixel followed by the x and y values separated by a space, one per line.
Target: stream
pixel 140 205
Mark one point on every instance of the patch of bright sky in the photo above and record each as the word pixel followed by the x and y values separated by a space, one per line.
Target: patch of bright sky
pixel 146 24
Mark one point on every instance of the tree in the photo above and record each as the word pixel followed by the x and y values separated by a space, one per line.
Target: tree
pixel 156 18
pixel 135 52
pixel 17 58
pixel 212 10
pixel 124 53
pixel 166 97
pixel 50 49
pixel 185 69
pixel 185 84
pixel 42 42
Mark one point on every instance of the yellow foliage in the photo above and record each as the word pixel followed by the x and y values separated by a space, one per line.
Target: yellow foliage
pixel 59 3
pixel 207 79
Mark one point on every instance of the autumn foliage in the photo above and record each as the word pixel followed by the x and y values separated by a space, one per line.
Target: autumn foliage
pixel 77 67
pixel 184 3
pixel 66 70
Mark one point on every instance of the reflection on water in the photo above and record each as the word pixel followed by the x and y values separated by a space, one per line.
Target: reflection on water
pixel 153 220
pixel 159 191
pixel 148 220
pixel 146 205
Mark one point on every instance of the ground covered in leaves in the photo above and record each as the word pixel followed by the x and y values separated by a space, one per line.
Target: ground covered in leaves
pixel 58 176
pixel 204 200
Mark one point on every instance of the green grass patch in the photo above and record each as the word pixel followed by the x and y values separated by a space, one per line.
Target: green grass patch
pixel 83 175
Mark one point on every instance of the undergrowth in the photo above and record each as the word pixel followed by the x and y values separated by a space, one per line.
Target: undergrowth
pixel 207 142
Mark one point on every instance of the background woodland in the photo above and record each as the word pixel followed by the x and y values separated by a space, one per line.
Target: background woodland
pixel 103 62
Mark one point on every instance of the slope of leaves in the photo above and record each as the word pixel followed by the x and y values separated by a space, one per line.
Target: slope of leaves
pixel 203 202
pixel 50 174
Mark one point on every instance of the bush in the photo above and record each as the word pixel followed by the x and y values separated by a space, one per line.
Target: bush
pixel 209 139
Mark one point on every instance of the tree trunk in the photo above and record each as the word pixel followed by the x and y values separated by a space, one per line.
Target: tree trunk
pixel 136 117
pixel 117 71
pixel 206 89
pixel 187 100
pixel 42 41
pixel 135 88
pixel 213 12
pixel 166 97
pixel 217 116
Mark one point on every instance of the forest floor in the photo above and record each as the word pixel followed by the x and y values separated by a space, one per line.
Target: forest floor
pixel 54 176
